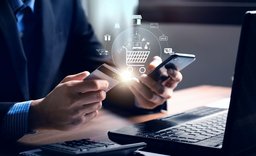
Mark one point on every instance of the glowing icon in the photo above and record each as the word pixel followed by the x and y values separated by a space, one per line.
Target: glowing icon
pixel 168 50
pixel 136 58
pixel 107 37
pixel 102 52
pixel 117 26
pixel 136 37
pixel 137 19
pixel 146 46
pixel 136 44
pixel 163 38
pixel 154 25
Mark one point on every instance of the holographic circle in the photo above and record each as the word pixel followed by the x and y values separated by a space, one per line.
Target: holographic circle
pixel 134 48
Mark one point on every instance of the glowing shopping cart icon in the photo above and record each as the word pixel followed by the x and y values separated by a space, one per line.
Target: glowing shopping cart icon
pixel 136 58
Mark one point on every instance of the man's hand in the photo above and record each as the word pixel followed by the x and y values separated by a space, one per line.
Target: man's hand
pixel 149 93
pixel 72 103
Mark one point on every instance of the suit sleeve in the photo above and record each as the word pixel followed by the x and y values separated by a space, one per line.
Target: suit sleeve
pixel 14 123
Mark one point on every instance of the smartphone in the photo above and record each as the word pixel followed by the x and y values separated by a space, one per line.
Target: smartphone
pixel 106 72
pixel 176 61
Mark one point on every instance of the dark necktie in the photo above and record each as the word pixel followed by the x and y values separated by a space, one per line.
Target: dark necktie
pixel 28 37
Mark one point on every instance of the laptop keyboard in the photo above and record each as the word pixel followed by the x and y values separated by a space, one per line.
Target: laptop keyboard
pixel 193 131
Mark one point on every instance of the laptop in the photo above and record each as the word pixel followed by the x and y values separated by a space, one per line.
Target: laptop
pixel 208 130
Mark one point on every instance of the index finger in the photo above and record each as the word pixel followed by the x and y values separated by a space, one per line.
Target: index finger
pixel 90 86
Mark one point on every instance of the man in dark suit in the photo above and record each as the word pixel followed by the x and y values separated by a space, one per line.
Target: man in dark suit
pixel 42 41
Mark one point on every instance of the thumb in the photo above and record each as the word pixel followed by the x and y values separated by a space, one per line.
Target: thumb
pixel 79 76
pixel 156 61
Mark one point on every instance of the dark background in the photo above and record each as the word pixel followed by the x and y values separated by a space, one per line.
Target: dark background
pixel 208 28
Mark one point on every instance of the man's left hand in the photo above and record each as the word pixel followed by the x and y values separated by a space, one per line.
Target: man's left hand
pixel 150 93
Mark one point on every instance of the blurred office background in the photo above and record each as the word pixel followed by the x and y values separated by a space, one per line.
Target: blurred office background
pixel 208 28
pixel 104 14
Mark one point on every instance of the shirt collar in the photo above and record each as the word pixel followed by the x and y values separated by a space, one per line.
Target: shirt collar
pixel 16 4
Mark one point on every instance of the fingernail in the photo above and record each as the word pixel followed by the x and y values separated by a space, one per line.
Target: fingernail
pixel 171 72
pixel 87 73
pixel 106 84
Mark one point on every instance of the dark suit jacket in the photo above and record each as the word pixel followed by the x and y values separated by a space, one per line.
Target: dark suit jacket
pixel 67 46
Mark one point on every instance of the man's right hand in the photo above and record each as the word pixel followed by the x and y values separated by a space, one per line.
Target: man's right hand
pixel 71 103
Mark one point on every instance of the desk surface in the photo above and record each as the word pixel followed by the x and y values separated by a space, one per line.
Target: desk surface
pixel 97 129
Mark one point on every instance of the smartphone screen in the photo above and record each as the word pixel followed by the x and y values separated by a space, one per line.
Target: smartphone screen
pixel 177 61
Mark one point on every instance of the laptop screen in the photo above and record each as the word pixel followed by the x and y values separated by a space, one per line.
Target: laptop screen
pixel 240 131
